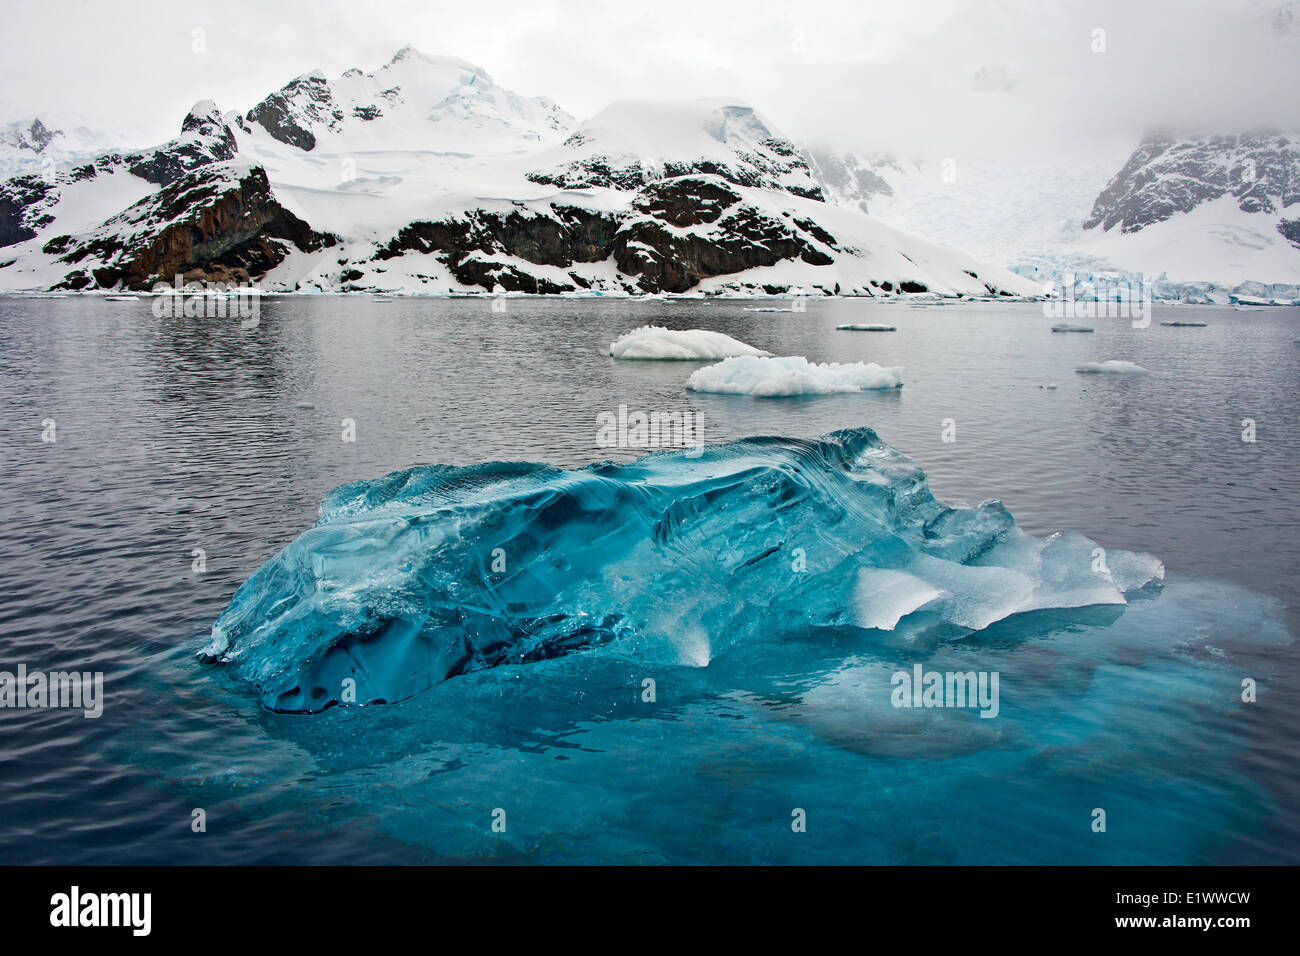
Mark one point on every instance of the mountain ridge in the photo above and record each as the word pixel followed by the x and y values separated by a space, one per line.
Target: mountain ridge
pixel 424 174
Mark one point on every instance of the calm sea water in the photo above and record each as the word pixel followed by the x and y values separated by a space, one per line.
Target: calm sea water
pixel 176 434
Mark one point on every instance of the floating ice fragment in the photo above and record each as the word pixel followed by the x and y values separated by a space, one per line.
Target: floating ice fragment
pixel 411 579
pixel 1111 367
pixel 653 342
pixel 791 375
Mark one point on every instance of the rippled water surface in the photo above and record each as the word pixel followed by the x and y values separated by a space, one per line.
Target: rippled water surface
pixel 176 434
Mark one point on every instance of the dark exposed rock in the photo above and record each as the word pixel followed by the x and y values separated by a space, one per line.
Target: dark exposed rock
pixel 666 260
pixel 1166 176
pixel 851 180
pixel 211 224
pixel 23 208
pixel 289 113
pixel 205 138
pixel 34 137
pixel 1290 228
pixel 649 242
pixel 686 202
pixel 571 234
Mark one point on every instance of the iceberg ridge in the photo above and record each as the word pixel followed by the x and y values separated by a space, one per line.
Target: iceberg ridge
pixel 424 574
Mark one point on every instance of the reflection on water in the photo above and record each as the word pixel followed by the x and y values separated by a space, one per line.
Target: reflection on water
pixel 183 434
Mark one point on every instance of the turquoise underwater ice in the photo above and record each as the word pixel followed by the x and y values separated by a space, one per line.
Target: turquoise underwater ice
pixel 425 574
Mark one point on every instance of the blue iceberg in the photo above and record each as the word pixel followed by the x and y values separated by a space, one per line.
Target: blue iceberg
pixel 411 579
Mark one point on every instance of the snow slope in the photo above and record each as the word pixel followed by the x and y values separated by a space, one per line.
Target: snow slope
pixel 425 175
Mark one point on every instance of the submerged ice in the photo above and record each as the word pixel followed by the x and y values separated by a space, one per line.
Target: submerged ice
pixel 424 574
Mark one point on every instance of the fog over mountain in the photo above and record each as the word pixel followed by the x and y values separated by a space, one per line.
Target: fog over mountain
pixel 935 78
pixel 1159 138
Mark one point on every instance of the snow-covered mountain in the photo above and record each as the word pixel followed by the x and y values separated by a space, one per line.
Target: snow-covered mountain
pixel 1213 209
pixel 31 144
pixel 427 175
pixel 1210 207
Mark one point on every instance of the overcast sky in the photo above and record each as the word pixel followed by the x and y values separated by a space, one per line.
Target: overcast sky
pixel 910 76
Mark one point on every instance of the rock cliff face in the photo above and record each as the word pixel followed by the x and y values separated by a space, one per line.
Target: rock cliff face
pixel 1166 176
pixel 218 223
pixel 683 230
pixel 211 217
pixel 289 114
pixel 425 174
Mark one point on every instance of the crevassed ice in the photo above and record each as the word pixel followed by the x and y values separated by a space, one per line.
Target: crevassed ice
pixel 658 343
pixel 792 375
pixel 424 574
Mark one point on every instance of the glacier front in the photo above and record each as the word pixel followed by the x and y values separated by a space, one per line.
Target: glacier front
pixel 410 579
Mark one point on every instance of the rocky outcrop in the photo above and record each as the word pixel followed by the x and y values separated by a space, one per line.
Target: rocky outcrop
pixel 694 228
pixel 1290 230
pixel 677 232
pixel 473 245
pixel 848 179
pixel 32 137
pixel 289 113
pixel 738 147
pixel 218 223
pixel 24 202
pixel 1166 176
pixel 205 138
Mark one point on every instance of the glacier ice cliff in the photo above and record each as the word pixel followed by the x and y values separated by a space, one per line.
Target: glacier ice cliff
pixel 424 574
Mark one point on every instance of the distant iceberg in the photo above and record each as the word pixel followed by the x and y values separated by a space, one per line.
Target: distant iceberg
pixel 653 342
pixel 1067 327
pixel 791 375
pixel 411 579
pixel 866 327
pixel 1111 367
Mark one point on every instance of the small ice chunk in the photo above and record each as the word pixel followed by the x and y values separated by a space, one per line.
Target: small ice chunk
pixel 1067 327
pixel 791 375
pixel 1111 367
pixel 862 327
pixel 653 342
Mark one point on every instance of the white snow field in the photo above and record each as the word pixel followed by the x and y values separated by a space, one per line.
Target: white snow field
pixel 654 342
pixel 791 375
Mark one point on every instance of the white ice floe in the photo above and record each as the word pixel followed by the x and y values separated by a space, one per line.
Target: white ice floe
pixel 791 375
pixel 1067 327
pixel 862 327
pixel 657 343
pixel 1111 367
pixel 1182 324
